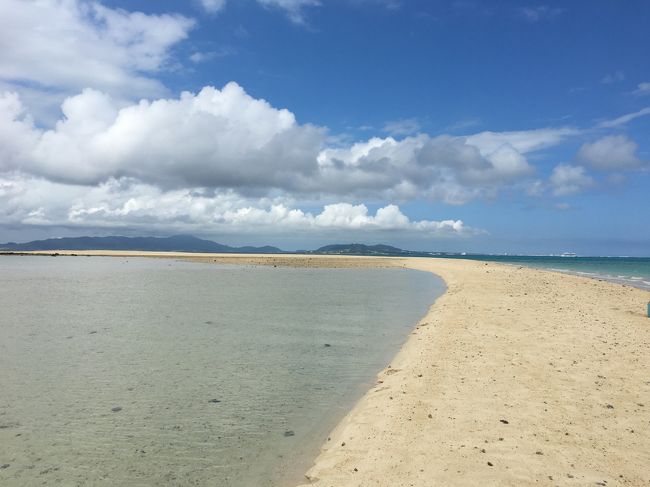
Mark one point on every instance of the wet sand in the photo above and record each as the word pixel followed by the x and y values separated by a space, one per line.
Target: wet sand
pixel 516 376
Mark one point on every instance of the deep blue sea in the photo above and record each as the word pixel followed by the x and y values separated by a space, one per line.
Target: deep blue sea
pixel 633 271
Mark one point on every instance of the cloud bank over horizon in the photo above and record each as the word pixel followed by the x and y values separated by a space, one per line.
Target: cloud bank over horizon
pixel 130 203
pixel 224 142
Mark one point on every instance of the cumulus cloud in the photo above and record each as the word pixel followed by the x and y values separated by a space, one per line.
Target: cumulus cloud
pixel 214 138
pixel 227 139
pixel 67 45
pixel 444 168
pixel 130 203
pixel 486 158
pixel 567 179
pixel 613 152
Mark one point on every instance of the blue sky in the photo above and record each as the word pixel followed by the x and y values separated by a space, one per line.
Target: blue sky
pixel 469 126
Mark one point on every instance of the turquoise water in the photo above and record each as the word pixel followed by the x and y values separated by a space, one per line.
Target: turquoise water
pixel 633 271
pixel 154 372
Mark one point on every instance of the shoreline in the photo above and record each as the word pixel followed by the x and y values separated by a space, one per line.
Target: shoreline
pixel 516 376
pixel 320 337
pixel 494 387
pixel 324 260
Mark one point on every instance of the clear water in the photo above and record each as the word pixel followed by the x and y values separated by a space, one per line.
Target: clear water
pixel 633 271
pixel 111 368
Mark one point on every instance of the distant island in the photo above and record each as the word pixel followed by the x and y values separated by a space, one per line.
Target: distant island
pixel 189 243
pixel 361 249
pixel 176 243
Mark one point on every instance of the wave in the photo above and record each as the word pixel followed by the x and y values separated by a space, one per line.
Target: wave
pixel 634 281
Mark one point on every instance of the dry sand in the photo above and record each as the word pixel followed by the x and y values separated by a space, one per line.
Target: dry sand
pixel 515 377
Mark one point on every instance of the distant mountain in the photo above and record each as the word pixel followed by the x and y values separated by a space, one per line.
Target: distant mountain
pixel 188 243
pixel 361 249
pixel 177 243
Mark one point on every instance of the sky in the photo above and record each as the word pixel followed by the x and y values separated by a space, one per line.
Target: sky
pixel 497 127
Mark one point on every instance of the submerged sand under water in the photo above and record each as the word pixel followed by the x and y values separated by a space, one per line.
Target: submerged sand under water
pixel 121 371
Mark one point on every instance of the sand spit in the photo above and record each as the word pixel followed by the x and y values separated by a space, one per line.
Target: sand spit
pixel 278 260
pixel 515 377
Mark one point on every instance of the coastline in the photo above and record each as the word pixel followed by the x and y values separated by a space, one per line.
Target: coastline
pixel 516 376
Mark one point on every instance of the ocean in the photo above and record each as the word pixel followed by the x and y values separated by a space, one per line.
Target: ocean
pixel 156 372
pixel 631 271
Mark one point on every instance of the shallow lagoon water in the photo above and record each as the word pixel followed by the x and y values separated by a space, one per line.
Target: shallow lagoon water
pixel 118 371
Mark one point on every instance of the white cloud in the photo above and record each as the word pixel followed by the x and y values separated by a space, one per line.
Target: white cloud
pixel 404 126
pixel 228 139
pixel 17 132
pixel 201 57
pixel 214 138
pixel 567 180
pixel 67 45
pixel 213 6
pixel 131 204
pixel 523 141
pixel 293 8
pixel 642 89
pixel 623 119
pixel 613 152
pixel 444 168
